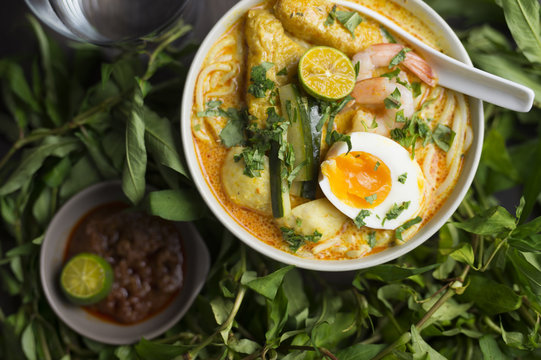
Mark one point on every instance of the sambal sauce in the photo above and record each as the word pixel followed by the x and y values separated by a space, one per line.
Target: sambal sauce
pixel 145 253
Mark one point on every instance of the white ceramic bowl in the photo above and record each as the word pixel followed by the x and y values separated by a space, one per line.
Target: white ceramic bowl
pixel 452 46
pixel 196 267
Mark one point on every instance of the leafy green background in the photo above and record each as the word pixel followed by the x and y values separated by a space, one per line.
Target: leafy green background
pixel 472 292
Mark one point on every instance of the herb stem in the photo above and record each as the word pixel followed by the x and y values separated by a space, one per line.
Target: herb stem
pixel 226 323
pixel 493 255
pixel 43 343
pixel 446 296
pixel 77 121
pixel 494 327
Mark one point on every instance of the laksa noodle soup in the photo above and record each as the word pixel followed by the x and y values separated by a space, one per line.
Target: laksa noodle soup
pixel 323 134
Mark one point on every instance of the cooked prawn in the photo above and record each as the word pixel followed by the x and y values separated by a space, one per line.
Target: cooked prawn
pixel 379 55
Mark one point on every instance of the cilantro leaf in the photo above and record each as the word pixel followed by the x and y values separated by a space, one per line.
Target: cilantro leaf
pixel 330 18
pixel 399 116
pixel 370 199
pixel 233 132
pixel 392 74
pixel 402 178
pixel 295 240
pixel 254 161
pixel 416 87
pixel 359 219
pixel 350 20
pixel 398 58
pixel 387 34
pixel 330 110
pixel 443 137
pixel 336 137
pixel 372 239
pixel 393 101
pixel 213 110
pixel 399 230
pixel 282 72
pixel 395 211
pixel 260 83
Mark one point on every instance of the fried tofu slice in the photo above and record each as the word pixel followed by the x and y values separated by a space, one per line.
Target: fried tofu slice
pixel 306 19
pixel 268 42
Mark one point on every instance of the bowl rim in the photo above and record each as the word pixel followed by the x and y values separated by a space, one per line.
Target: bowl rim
pixel 196 260
pixel 449 40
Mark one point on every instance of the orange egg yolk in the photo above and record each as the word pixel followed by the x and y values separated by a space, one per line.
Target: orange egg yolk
pixel 358 179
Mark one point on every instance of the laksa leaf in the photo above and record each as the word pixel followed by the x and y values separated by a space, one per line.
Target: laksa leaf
pixel 493 221
pixel 522 17
pixel 391 273
pixel 135 165
pixel 175 205
pixel 267 285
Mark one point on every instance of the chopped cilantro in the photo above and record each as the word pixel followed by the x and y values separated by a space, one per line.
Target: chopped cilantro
pixel 398 58
pixel 359 219
pixel 233 132
pixel 213 109
pixel 329 111
pixel 254 161
pixel 372 239
pixel 390 38
pixel 377 166
pixel 402 178
pixel 443 137
pixel 295 240
pixel 393 101
pixel 395 211
pixel 399 116
pixel 392 74
pixel 357 67
pixel 370 199
pixel 416 86
pixel 399 230
pixel 298 222
pixel 260 83
pixel 332 15
pixel 414 128
pixel 349 19
pixel 336 137
pixel 282 72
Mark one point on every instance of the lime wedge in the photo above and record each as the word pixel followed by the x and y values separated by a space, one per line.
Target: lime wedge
pixel 86 279
pixel 326 73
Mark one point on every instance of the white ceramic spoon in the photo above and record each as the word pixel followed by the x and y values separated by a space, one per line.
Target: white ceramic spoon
pixel 456 75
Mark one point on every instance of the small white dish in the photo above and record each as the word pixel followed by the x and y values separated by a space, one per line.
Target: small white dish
pixel 452 46
pixel 196 267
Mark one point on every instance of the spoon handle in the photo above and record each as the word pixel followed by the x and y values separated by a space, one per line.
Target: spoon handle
pixel 456 75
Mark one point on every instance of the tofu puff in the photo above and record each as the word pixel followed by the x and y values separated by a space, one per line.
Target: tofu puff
pixel 307 19
pixel 268 42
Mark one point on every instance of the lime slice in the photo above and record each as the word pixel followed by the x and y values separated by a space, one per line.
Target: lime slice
pixel 326 73
pixel 86 279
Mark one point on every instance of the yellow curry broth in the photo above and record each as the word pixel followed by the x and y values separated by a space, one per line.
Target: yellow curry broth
pixel 211 154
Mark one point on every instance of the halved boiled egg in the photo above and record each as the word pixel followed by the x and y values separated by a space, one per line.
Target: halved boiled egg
pixel 376 183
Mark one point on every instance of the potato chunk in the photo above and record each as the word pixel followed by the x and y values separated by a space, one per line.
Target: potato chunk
pixel 252 193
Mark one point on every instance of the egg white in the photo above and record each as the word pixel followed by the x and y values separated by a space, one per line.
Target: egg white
pixel 399 161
